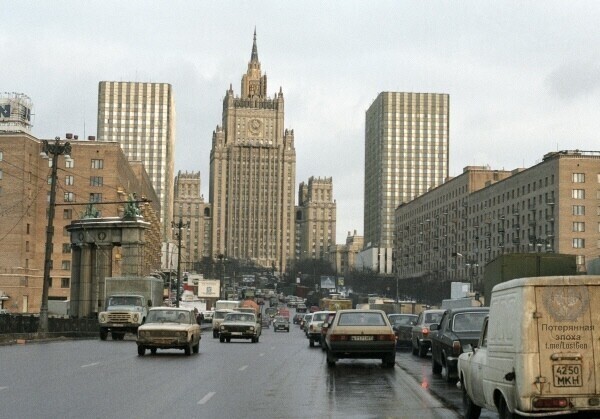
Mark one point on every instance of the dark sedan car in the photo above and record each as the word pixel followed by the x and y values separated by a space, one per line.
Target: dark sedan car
pixel 402 325
pixel 457 328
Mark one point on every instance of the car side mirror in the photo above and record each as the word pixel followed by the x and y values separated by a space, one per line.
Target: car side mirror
pixel 468 348
pixel 325 325
pixel 434 327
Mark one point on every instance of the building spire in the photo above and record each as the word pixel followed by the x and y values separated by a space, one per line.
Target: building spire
pixel 254 57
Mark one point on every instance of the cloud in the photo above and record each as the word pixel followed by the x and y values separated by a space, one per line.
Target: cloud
pixel 574 79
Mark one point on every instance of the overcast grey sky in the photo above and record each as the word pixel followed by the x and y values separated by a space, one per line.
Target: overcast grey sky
pixel 523 77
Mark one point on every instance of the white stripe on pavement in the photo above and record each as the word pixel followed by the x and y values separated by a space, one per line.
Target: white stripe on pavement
pixel 206 398
pixel 243 368
pixel 90 365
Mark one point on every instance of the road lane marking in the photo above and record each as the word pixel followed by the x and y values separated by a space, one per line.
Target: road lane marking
pixel 206 398
pixel 272 347
pixel 261 354
pixel 3 388
pixel 243 368
pixel 90 365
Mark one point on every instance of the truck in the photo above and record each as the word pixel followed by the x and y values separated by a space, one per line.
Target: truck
pixel 230 304
pixel 525 265
pixel 537 353
pixel 335 304
pixel 127 301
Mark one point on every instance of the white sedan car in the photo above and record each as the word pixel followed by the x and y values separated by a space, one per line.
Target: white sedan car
pixel 168 328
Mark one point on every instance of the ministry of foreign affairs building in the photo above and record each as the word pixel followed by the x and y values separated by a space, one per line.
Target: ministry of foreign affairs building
pixel 252 175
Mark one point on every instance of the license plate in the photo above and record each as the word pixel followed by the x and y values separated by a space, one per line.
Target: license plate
pixel 361 337
pixel 567 375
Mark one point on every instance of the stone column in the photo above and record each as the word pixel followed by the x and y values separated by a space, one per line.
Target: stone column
pixel 103 269
pixel 75 280
pixel 86 266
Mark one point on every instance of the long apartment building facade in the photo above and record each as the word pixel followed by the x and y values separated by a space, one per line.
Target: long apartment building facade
pixel 253 175
pixel 406 154
pixel 315 218
pixel 141 118
pixel 94 173
pixel 452 231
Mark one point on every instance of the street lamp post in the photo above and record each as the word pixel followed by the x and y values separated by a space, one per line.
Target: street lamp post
pixel 55 149
pixel 179 225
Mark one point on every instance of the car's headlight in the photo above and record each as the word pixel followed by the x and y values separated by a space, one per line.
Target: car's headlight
pixel 102 318
pixel 252 328
pixel 136 317
pixel 142 333
pixel 222 327
pixel 182 334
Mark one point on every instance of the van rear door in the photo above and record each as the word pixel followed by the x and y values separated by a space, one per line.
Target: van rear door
pixel 566 338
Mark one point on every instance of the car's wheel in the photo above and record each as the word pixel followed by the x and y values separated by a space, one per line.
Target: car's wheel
pixel 196 348
pixel 389 360
pixel 188 349
pixel 153 351
pixel 415 349
pixel 471 410
pixel 422 351
pixel 228 340
pixel 257 338
pixel 221 339
pixel 311 343
pixel 215 334
pixel 103 334
pixel 435 367
pixel 141 350
pixel 330 359
pixel 503 411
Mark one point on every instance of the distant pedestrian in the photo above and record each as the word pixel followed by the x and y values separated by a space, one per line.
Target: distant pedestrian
pixel 199 318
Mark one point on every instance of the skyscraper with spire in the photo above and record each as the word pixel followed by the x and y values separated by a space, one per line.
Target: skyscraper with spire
pixel 252 175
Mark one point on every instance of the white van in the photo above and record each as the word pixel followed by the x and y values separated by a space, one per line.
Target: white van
pixel 539 350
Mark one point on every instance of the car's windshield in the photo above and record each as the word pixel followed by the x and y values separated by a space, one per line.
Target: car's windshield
pixel 168 316
pixel 402 320
pixel 361 319
pixel 125 300
pixel 433 317
pixel 220 314
pixel 281 319
pixel 468 322
pixel 319 317
pixel 239 317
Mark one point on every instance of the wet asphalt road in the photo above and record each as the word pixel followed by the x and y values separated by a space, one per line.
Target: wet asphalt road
pixel 279 377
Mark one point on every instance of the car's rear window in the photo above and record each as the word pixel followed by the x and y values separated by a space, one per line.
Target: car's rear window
pixel 433 317
pixel 319 317
pixel 361 319
pixel 468 322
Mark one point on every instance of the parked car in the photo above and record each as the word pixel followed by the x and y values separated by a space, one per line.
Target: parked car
pixel 281 323
pixel 420 333
pixel 402 325
pixel 238 325
pixel 314 327
pixel 169 328
pixel 458 327
pixel 363 334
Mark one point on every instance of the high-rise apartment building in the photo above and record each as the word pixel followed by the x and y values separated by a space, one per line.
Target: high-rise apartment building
pixel 253 175
pixel 141 118
pixel 190 207
pixel 406 154
pixel 315 219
